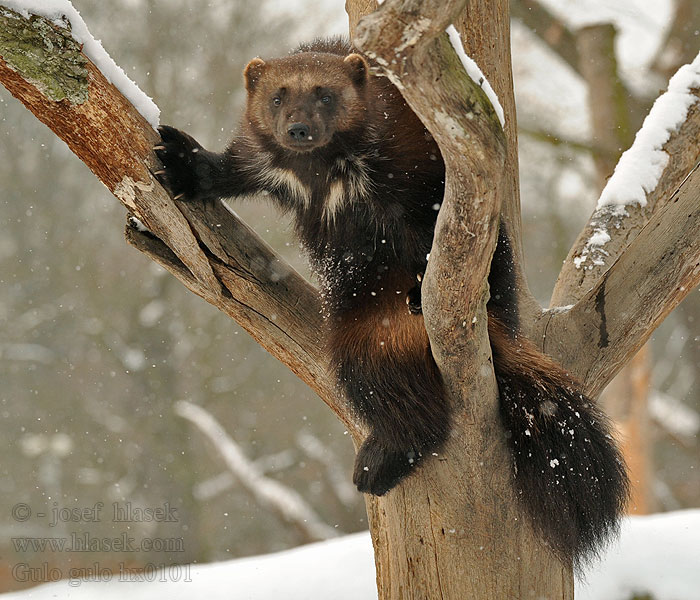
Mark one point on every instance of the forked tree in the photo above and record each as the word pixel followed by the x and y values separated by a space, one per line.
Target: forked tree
pixel 454 529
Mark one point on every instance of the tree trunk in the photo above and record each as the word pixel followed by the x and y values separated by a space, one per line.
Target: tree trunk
pixel 452 530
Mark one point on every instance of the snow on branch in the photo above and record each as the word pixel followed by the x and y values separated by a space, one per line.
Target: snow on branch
pixel 285 502
pixel 641 166
pixel 664 151
pixel 475 72
pixel 60 11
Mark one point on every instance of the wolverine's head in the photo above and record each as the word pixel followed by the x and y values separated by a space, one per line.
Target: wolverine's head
pixel 303 100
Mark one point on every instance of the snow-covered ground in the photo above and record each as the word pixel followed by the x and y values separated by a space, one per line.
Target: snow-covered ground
pixel 657 555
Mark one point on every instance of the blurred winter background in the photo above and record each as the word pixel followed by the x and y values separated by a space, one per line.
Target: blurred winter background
pixel 99 346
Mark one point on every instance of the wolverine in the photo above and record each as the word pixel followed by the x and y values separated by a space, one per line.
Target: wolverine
pixel 336 146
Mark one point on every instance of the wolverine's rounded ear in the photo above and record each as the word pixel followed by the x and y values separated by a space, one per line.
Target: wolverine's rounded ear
pixel 358 68
pixel 252 73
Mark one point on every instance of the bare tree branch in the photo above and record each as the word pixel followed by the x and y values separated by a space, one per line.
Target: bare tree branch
pixel 280 499
pixel 586 262
pixel 648 280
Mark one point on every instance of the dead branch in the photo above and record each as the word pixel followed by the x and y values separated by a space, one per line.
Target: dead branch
pixel 548 28
pixel 280 499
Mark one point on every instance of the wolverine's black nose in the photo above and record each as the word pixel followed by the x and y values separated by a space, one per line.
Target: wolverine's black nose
pixel 298 132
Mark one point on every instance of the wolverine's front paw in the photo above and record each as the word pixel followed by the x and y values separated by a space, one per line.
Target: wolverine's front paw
pixel 185 165
pixel 378 469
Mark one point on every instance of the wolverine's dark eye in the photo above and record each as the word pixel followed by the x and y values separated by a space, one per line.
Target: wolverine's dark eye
pixel 277 101
pixel 325 99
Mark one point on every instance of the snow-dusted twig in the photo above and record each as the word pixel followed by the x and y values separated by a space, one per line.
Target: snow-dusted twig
pixel 214 486
pixel 285 502
pixel 276 462
pixel 318 451
pixel 675 418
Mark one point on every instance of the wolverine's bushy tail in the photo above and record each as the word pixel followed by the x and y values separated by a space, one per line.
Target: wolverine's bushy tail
pixel 569 474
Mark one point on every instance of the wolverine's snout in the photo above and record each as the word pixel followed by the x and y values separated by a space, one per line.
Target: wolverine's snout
pixel 299 132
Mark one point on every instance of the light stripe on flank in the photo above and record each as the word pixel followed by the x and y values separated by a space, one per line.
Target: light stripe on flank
pixel 334 200
pixel 353 185
pixel 359 181
pixel 276 177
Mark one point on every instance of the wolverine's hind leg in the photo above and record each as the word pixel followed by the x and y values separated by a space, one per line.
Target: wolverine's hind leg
pixel 409 420
pixel 379 468
pixel 385 367
pixel 407 426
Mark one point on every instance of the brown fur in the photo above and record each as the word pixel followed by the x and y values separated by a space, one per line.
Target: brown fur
pixel 301 79
pixel 381 328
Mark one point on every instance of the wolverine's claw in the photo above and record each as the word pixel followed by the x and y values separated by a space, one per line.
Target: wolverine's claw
pixel 413 300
